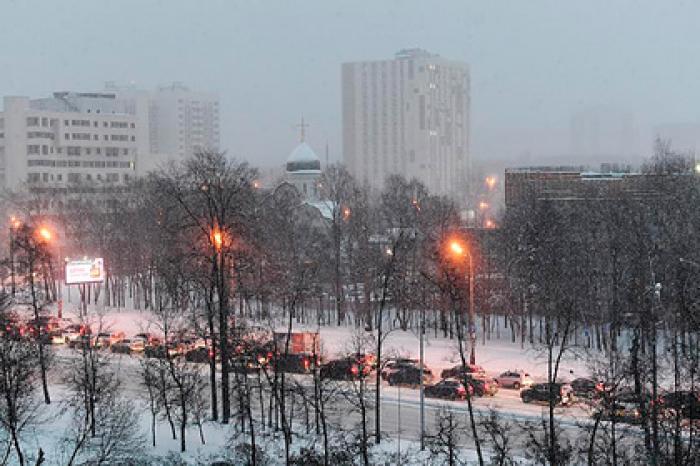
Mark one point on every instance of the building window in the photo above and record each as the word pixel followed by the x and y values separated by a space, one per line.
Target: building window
pixel 32 177
pixel 66 136
pixel 73 150
pixel 44 122
pixel 45 150
pixel 32 121
pixel 66 123
pixel 74 177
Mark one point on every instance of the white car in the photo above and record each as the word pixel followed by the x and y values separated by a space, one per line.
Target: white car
pixel 73 332
pixel 514 379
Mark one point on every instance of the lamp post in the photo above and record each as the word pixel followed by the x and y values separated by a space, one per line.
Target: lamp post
pixel 14 225
pixel 458 251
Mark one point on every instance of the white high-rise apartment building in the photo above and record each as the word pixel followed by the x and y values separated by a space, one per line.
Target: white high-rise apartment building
pixel 67 140
pixel 408 116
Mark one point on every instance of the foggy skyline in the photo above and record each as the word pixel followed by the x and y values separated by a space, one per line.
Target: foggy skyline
pixel 534 65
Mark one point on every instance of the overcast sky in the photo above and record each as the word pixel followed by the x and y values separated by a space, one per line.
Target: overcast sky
pixel 533 63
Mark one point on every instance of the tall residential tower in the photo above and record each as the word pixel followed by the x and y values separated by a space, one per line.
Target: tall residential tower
pixel 408 116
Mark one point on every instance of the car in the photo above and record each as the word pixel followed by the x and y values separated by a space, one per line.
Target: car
pixel 410 376
pixel 245 364
pixel 514 379
pixel 75 331
pixel 300 363
pixel 57 337
pixel 103 340
pixel 623 407
pixel 123 346
pixel 587 388
pixel 137 345
pixel 539 393
pixel 449 389
pixel 83 341
pixel 116 337
pixel 483 386
pixel 146 337
pixel 393 365
pixel 156 350
pixel 458 371
pixel 342 369
pixel 686 403
pixel 201 355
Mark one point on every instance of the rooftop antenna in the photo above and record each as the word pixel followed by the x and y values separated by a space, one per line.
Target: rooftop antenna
pixel 302 126
pixel 326 153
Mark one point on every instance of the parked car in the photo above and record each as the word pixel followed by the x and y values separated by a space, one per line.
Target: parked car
pixel 458 371
pixel 410 376
pixel 514 379
pixel 683 402
pixel 587 388
pixel 393 365
pixel 539 392
pixel 483 386
pixel 449 389
pixel 123 346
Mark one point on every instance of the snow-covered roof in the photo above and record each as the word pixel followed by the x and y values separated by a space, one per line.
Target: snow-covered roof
pixel 325 207
pixel 303 157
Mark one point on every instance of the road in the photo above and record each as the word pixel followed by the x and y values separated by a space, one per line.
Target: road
pixel 400 406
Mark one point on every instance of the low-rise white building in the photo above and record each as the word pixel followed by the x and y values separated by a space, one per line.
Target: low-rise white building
pixel 67 140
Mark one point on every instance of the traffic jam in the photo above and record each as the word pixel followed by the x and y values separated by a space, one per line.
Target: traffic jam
pixel 297 353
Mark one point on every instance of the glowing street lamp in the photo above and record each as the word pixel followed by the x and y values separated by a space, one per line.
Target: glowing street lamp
pixel 490 224
pixel 458 250
pixel 483 205
pixel 44 234
pixel 217 238
pixel 346 213
pixel 490 182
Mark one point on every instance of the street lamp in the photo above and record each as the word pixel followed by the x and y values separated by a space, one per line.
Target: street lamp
pixel 15 223
pixel 44 234
pixel 458 251
pixel 490 182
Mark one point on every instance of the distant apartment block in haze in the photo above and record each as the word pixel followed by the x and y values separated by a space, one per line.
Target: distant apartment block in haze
pixel 181 121
pixel 410 116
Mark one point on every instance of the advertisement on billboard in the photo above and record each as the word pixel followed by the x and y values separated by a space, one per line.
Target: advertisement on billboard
pixel 85 271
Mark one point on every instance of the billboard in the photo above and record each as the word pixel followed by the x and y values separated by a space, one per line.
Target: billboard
pixel 85 271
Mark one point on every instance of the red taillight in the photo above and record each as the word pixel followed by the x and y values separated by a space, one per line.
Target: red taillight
pixel 306 363
pixel 354 370
pixel 211 354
